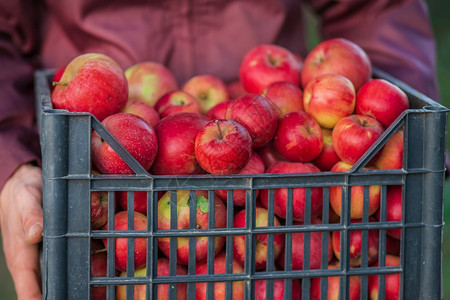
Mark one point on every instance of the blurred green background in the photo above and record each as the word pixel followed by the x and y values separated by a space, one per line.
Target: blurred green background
pixel 439 16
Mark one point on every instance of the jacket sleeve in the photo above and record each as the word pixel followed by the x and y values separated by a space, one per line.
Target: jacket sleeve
pixel 19 142
pixel 397 36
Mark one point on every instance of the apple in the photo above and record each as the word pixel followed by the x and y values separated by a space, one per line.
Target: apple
pixel 280 195
pixel 328 157
pixel 148 81
pixel 236 89
pixel 218 111
pixel 140 244
pixel 254 166
pixel 329 98
pixel 134 134
pixel 391 155
pixel 268 63
pixel 269 154
pixel 392 245
pixel 223 147
pixel 339 56
pixel 333 217
pixel 201 222
pixel 58 74
pixel 93 83
pixel 392 281
pixel 393 209
pixel 140 290
pixel 99 209
pixel 315 250
pixel 356 195
pixel 175 102
pixel 278 289
pixel 219 287
pixel 381 100
pixel 356 245
pixel 298 137
pixel 209 91
pixel 143 110
pixel 261 240
pixel 285 97
pixel 353 135
pixel 333 288
pixel 99 262
pixel 176 139
pixel 140 201
pixel 257 115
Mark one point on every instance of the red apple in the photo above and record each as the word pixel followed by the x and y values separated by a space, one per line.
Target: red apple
pixel 265 64
pixel 391 155
pixel 257 115
pixel 298 137
pixel 219 287
pixel 218 111
pixel 315 254
pixel 356 195
pixel 261 242
pixel 223 147
pixel 278 289
pixel 382 100
pixel 183 210
pixel 209 91
pixel 99 264
pixel 340 56
pixel 284 96
pixel 392 281
pixel 254 166
pixel 328 157
pixel 175 102
pixel 176 138
pixel 140 201
pixel 353 135
pixel 143 110
pixel 99 209
pixel 356 245
pixel 280 197
pixel 329 98
pixel 140 244
pixel 93 83
pixel 134 134
pixel 354 292
pixel 392 245
pixel 148 81
pixel 393 209
pixel 140 290
pixel 269 154
pixel 58 74
pixel 236 89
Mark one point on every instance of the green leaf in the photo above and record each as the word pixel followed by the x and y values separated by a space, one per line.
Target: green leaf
pixel 202 204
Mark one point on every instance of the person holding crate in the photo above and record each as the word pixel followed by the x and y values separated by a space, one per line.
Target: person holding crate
pixel 205 37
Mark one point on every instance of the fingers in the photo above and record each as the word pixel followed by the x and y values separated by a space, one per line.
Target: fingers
pixel 30 207
pixel 25 274
pixel 21 226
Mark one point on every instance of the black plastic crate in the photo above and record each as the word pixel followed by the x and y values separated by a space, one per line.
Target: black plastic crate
pixel 68 182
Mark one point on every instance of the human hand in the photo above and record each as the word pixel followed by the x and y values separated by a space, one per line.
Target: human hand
pixel 21 220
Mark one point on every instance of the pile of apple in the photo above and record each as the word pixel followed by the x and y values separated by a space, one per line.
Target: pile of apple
pixel 286 114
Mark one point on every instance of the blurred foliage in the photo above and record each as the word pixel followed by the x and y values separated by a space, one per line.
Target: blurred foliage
pixel 441 25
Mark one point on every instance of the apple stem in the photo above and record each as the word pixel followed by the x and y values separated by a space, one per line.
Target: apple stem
pixel 98 251
pixel 59 83
pixel 220 131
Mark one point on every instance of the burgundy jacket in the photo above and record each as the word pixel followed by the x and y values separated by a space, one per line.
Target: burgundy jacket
pixel 190 39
